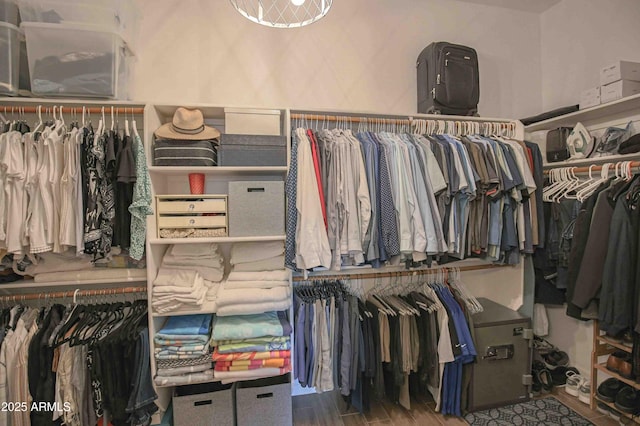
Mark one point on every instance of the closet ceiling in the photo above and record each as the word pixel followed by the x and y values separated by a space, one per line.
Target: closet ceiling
pixel 537 6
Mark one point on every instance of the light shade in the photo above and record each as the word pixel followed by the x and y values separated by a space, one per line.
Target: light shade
pixel 282 13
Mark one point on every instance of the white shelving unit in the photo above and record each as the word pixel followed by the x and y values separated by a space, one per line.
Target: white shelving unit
pixel 168 180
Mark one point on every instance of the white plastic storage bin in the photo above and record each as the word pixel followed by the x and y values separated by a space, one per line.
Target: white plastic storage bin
pixel 9 58
pixel 9 12
pixel 119 16
pixel 256 208
pixel 243 121
pixel 265 402
pixel 76 61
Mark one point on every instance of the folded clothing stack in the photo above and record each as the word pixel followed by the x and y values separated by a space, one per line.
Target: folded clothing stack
pixel 251 346
pixel 182 350
pixel 257 282
pixel 188 278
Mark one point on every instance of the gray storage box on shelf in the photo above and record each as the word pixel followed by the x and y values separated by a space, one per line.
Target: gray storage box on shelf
pixel 265 402
pixel 256 208
pixel 203 405
pixel 502 373
pixel 252 150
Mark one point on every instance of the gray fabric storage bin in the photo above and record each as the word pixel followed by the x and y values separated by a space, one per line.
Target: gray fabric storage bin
pixel 173 152
pixel 252 150
pixel 256 208
pixel 212 407
pixel 265 402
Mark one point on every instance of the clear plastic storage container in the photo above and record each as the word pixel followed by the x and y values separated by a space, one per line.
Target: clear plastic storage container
pixel 119 16
pixel 76 61
pixel 9 12
pixel 10 58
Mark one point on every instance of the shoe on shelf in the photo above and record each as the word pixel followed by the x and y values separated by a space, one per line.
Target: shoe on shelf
pixel 560 374
pixel 614 362
pixel 543 346
pixel 555 359
pixel 627 339
pixel 608 389
pixel 584 392
pixel 573 382
pixel 626 369
pixel 628 400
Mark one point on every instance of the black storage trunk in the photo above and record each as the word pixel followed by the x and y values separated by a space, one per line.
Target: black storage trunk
pixel 502 372
pixel 448 79
pixel 252 150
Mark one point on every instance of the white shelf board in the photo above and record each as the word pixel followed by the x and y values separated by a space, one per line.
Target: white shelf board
pixel 588 114
pixel 219 240
pixel 181 170
pixel 31 284
pixel 590 161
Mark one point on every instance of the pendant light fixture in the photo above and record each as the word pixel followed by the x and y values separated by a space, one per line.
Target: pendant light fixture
pixel 283 13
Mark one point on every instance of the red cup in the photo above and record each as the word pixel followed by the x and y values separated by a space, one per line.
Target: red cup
pixel 196 183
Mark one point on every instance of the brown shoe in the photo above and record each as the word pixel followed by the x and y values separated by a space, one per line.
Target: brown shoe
pixel 626 369
pixel 615 360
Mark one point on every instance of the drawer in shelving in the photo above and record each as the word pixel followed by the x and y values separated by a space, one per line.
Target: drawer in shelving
pixel 205 213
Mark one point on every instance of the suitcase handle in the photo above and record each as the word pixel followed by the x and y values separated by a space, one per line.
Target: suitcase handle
pixel 205 402
pixel 255 189
pixel 265 395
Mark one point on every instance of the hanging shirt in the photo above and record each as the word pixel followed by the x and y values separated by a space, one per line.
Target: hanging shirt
pixel 140 206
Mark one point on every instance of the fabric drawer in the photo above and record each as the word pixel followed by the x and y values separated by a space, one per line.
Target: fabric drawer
pixel 204 409
pixel 252 150
pixel 245 219
pixel 264 402
pixel 168 152
pixel 252 121
pixel 192 221
pixel 195 206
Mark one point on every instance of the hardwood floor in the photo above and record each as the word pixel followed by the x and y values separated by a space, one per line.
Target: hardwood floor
pixel 329 409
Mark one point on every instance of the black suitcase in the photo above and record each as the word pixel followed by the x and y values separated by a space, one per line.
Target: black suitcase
pixel 448 81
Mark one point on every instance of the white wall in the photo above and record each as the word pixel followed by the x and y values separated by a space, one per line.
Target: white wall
pixel 361 56
pixel 578 38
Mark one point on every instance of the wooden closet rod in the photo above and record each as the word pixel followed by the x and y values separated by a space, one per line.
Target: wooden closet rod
pixel 405 273
pixel 16 109
pixel 585 169
pixel 316 117
pixel 72 293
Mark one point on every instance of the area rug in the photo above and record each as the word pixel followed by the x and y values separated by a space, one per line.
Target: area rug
pixel 546 411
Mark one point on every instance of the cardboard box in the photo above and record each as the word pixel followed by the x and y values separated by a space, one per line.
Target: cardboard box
pixel 621 70
pixel 618 90
pixel 242 121
pixel 590 98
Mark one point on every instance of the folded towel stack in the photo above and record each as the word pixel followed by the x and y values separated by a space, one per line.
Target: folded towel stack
pixel 251 346
pixel 188 278
pixel 257 282
pixel 182 350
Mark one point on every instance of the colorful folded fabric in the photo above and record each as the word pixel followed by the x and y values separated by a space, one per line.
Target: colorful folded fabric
pixel 217 356
pixel 177 363
pixel 166 340
pixel 187 325
pixel 255 346
pixel 180 371
pixel 251 374
pixel 183 348
pixel 250 326
pixel 272 362
pixel 186 379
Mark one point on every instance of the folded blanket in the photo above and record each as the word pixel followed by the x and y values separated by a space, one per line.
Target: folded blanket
pixel 270 264
pixel 251 252
pixel 254 347
pixel 282 275
pixel 177 356
pixel 271 362
pixel 210 262
pixel 217 356
pixel 203 376
pixel 115 274
pixel 176 277
pixel 254 284
pixel 177 363
pixel 249 326
pixel 208 273
pixel 231 296
pixel 185 347
pixel 251 374
pixel 258 340
pixel 194 250
pixel 193 325
pixel 163 342
pixel 173 339
pixel 161 353
pixel 253 308
pixel 179 371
